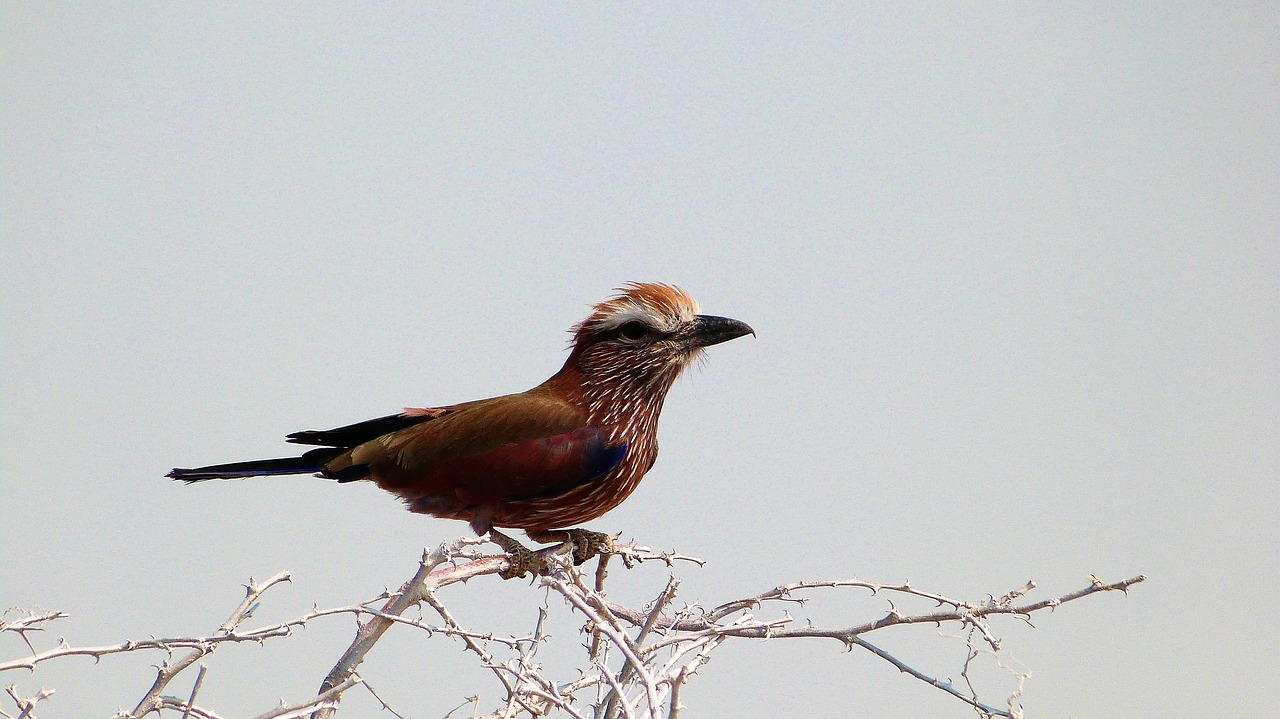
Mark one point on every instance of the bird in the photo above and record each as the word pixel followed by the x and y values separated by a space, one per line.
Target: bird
pixel 543 461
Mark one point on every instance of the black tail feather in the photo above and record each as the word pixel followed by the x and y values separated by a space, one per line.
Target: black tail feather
pixel 310 463
pixel 360 432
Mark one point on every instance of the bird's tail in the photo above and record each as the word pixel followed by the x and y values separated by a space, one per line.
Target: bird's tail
pixel 310 463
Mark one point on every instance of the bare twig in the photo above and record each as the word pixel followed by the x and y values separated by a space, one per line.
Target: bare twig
pixel 637 661
pixel 891 619
pixel 176 704
pixel 602 573
pixel 931 681
pixel 327 699
pixel 430 575
pixel 150 701
pixel 27 705
pixel 628 672
pixel 606 623
pixel 369 688
pixel 195 689
pixel 32 622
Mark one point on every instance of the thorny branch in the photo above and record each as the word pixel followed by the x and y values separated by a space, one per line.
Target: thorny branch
pixel 635 662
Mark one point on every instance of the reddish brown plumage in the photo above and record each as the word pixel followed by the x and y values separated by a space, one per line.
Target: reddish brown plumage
pixel 562 453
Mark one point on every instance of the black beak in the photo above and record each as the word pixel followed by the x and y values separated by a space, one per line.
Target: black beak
pixel 707 330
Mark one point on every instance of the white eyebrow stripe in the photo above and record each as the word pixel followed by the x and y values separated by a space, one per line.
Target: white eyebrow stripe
pixel 639 313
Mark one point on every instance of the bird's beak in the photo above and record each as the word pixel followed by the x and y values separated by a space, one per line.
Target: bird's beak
pixel 707 330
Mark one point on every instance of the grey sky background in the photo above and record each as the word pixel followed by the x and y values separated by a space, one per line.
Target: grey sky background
pixel 1013 272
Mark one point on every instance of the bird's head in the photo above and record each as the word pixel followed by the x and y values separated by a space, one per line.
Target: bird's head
pixel 644 336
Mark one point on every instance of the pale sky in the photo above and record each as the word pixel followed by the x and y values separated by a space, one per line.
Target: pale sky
pixel 1013 271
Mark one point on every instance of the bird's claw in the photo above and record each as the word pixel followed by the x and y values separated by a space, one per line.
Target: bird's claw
pixel 522 560
pixel 587 544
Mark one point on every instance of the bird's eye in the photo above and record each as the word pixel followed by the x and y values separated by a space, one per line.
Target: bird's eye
pixel 632 330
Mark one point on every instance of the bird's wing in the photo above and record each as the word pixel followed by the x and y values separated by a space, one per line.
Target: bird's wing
pixel 524 470
pixel 511 447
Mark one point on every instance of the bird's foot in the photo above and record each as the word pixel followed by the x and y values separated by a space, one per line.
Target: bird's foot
pixel 521 559
pixel 586 544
